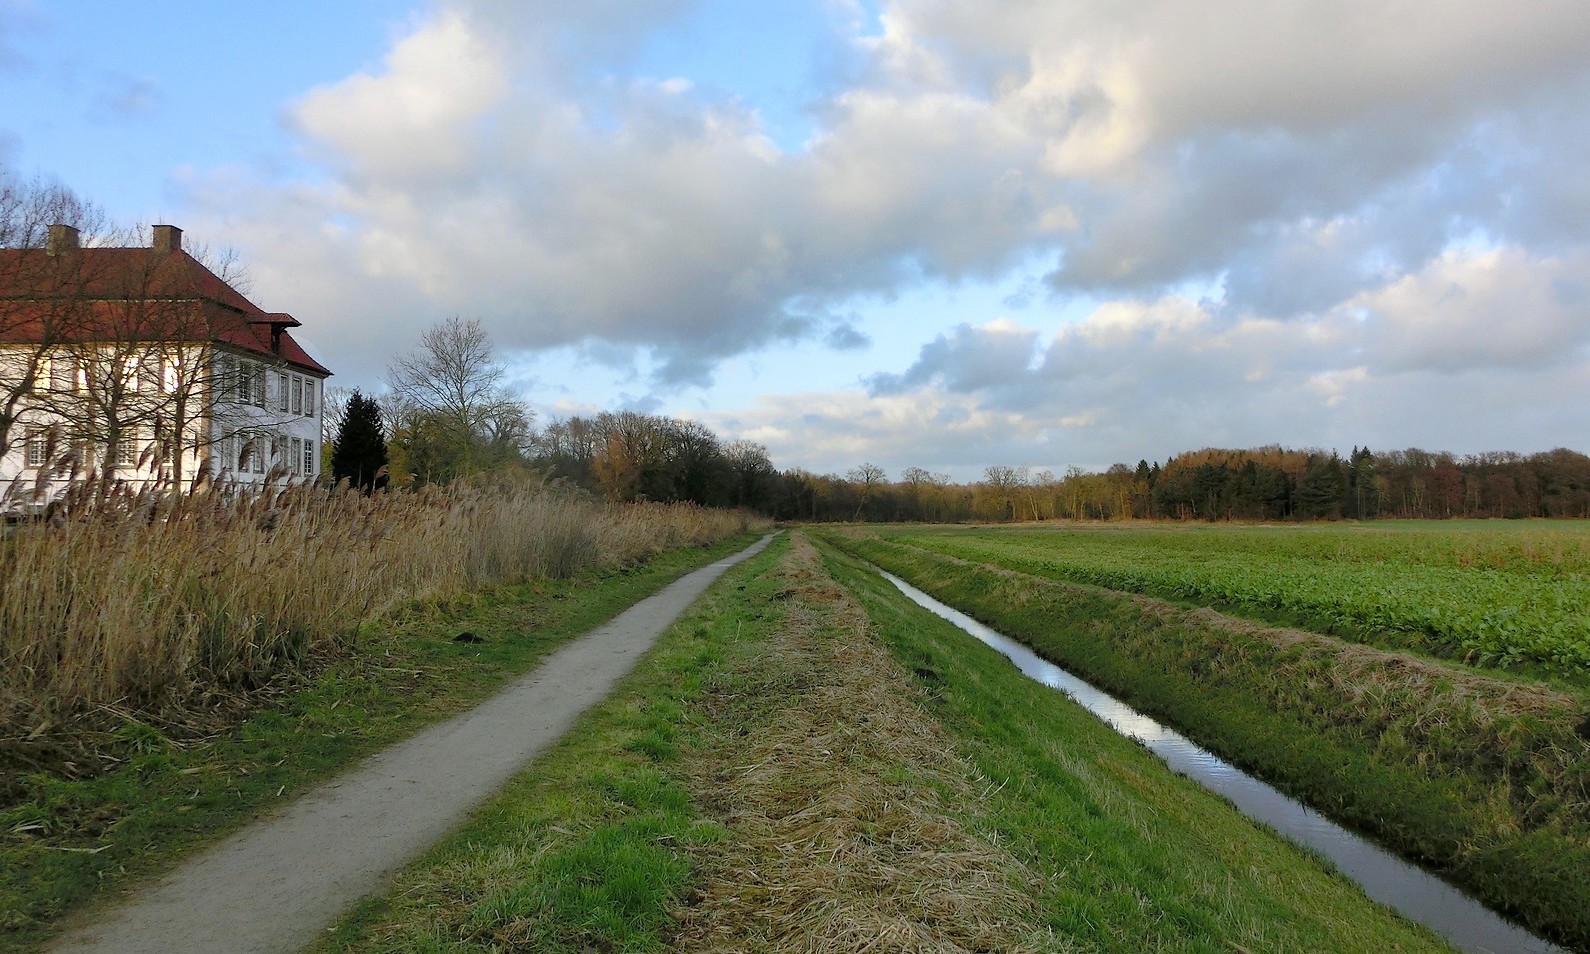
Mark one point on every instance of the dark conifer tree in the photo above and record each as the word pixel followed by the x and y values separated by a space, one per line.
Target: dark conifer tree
pixel 360 455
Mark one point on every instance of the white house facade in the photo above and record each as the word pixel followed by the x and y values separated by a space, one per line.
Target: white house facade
pixel 141 366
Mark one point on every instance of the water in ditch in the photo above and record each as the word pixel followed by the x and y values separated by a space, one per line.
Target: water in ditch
pixel 1415 893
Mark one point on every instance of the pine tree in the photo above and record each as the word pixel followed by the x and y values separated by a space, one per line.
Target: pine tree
pixel 1323 488
pixel 360 455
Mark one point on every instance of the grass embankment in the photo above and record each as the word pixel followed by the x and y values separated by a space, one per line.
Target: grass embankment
pixel 168 786
pixel 809 762
pixel 1486 779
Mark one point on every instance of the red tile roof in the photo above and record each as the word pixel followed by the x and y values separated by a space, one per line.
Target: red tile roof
pixel 97 293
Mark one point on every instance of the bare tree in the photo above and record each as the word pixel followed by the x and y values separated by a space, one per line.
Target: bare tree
pixel 632 461
pixel 868 478
pixel 28 209
pixel 568 449
pixel 1002 485
pixel 136 374
pixel 42 224
pixel 752 473
pixel 458 416
pixel 334 406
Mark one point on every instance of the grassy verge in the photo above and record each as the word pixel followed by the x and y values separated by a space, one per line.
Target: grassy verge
pixel 802 764
pixel 64 841
pixel 589 849
pixel 1485 779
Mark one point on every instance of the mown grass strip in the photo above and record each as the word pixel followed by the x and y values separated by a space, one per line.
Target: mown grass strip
pixel 1483 779
pixel 628 834
pixel 64 841
pixel 846 802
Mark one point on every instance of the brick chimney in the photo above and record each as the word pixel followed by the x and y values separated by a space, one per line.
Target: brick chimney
pixel 166 238
pixel 62 238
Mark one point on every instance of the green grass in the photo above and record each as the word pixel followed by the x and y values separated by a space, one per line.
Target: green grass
pixel 65 842
pixel 1486 779
pixel 592 847
pixel 1132 856
pixel 1492 592
pixel 588 849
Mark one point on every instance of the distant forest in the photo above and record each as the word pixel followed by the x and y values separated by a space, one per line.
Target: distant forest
pixel 630 456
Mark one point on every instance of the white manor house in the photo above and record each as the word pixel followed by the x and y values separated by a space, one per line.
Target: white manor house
pixel 142 366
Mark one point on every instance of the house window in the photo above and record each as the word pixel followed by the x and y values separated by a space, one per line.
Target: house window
pixel 126 448
pixel 297 455
pixel 257 381
pixel 309 458
pixel 309 399
pixel 38 446
pixel 281 392
pixel 298 395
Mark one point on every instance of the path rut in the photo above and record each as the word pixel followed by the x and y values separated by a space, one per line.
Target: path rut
pixel 275 885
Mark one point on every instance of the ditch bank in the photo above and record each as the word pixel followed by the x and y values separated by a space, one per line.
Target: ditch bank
pixel 1484 780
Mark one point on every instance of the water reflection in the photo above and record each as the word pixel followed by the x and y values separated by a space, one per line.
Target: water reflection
pixel 1415 893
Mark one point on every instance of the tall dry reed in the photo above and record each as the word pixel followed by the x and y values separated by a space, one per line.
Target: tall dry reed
pixel 141 594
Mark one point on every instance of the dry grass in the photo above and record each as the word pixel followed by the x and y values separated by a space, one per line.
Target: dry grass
pixel 837 805
pixel 142 597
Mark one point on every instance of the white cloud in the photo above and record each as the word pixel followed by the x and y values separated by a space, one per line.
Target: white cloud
pixel 1385 204
pixel 1463 355
pixel 1500 310
pixel 414 122
pixel 968 359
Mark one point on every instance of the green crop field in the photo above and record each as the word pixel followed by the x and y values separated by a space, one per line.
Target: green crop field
pixel 1489 592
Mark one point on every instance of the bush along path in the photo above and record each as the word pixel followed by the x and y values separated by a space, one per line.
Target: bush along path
pixel 808 762
pixel 275 885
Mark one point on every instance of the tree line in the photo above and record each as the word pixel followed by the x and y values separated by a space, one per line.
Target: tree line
pixel 446 414
pixel 1258 484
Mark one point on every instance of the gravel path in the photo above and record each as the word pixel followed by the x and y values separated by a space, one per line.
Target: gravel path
pixel 275 885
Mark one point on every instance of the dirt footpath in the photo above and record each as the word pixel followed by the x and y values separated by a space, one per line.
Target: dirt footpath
pixel 275 885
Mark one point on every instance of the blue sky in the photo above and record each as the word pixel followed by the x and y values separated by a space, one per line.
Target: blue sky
pixel 914 232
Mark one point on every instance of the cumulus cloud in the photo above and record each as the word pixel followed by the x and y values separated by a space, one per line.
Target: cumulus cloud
pixel 416 120
pixel 967 359
pixel 1374 199
pixel 1498 310
pixel 1444 357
